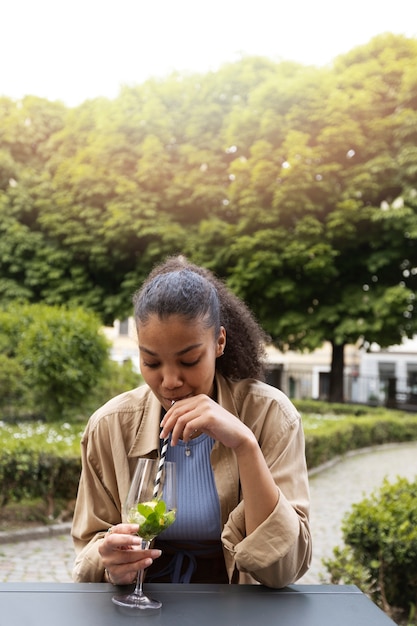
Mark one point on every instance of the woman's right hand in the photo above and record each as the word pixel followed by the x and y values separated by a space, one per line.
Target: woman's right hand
pixel 122 554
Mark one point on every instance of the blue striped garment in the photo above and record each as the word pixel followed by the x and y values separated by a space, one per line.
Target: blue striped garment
pixel 198 512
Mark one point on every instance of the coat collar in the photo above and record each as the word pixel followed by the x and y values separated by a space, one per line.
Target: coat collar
pixel 147 441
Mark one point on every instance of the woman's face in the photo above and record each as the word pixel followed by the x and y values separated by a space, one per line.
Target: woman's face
pixel 178 357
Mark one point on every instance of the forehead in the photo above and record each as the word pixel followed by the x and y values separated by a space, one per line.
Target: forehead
pixel 175 330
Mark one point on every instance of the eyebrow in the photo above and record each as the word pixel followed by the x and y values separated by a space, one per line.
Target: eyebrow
pixel 180 353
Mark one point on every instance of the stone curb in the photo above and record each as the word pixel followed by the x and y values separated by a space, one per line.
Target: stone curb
pixel 39 532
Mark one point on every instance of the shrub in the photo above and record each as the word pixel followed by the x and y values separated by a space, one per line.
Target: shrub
pixel 60 352
pixel 39 460
pixel 116 378
pixel 11 384
pixel 380 555
pixel 336 408
pixel 328 436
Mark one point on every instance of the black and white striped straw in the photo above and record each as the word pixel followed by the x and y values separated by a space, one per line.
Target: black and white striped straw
pixel 161 465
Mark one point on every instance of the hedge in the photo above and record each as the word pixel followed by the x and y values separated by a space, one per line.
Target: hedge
pixel 39 460
pixel 43 460
pixel 380 553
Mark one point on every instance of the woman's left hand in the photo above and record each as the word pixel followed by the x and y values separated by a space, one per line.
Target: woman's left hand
pixel 201 414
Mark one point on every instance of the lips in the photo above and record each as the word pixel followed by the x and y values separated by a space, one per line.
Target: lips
pixel 172 400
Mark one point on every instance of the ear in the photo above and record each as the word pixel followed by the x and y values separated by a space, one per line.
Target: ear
pixel 221 342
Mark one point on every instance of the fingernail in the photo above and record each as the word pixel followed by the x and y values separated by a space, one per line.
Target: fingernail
pixel 156 553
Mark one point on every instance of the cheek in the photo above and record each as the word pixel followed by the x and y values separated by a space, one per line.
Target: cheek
pixel 205 373
pixel 148 375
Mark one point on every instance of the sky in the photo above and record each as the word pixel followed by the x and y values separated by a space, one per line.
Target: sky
pixel 74 50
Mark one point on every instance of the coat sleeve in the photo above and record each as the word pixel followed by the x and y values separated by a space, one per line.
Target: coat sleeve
pixel 278 552
pixel 98 503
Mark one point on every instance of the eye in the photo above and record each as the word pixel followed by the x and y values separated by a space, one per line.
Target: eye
pixel 188 364
pixel 151 366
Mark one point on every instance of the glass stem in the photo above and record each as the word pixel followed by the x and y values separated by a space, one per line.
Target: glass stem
pixel 141 574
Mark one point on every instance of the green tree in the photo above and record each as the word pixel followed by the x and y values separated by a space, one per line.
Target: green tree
pixel 324 245
pixel 296 184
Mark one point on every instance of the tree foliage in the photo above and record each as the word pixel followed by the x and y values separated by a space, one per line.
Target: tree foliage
pixel 295 184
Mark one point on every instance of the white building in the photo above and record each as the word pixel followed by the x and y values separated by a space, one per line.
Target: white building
pixel 377 376
pixel 305 375
pixel 124 343
pixel 379 368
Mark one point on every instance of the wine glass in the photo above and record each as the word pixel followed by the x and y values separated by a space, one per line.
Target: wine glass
pixel 151 503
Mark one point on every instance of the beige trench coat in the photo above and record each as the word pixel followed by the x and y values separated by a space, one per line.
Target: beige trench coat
pixel 127 427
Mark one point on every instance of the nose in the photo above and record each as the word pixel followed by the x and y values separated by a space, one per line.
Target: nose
pixel 171 378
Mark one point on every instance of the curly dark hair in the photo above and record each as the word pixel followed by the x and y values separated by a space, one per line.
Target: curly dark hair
pixel 180 287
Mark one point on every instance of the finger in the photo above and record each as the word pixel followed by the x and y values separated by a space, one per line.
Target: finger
pixel 170 421
pixel 182 424
pixel 170 415
pixel 121 541
pixel 123 529
pixel 125 571
pixel 124 542
pixel 181 427
pixel 177 409
pixel 121 576
pixel 176 418
pixel 141 558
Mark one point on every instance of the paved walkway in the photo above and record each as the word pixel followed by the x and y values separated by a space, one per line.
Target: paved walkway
pixel 49 557
pixel 335 489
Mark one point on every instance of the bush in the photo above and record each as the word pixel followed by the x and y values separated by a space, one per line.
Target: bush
pixel 12 396
pixel 39 460
pixel 328 436
pixel 60 354
pixel 380 555
pixel 335 408
pixel 116 378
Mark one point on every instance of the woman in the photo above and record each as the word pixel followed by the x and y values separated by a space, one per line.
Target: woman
pixel 243 500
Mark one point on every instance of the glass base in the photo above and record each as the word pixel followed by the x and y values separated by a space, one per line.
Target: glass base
pixel 136 602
